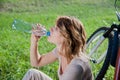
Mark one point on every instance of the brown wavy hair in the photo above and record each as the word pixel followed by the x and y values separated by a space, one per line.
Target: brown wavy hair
pixel 75 37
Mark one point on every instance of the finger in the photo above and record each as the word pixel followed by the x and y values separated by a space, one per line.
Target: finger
pixel 33 26
pixel 38 32
pixel 39 26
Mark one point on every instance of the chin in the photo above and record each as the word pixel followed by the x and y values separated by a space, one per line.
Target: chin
pixel 50 40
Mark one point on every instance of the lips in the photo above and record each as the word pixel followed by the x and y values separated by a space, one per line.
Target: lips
pixel 51 30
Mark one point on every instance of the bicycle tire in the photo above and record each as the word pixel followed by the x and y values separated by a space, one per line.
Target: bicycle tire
pixel 106 63
pixel 103 63
pixel 90 45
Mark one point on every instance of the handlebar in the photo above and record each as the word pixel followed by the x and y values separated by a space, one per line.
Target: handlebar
pixel 117 12
pixel 113 27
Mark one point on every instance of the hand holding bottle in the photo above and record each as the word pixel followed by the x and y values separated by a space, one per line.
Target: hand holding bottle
pixel 39 30
pixel 34 36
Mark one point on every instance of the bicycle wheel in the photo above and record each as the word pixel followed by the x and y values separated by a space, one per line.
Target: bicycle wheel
pixel 96 49
pixel 97 45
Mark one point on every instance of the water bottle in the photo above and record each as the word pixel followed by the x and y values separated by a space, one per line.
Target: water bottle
pixel 27 27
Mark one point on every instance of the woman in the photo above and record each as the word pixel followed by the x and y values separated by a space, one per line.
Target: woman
pixel 69 37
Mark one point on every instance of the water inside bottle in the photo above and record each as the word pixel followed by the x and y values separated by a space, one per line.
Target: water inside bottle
pixel 22 26
pixel 26 27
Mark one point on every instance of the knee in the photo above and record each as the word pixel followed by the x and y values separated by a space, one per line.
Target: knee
pixel 31 74
pixel 32 71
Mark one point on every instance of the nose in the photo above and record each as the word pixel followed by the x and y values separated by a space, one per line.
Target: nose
pixel 52 29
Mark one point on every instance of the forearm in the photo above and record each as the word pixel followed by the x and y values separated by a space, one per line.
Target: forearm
pixel 34 54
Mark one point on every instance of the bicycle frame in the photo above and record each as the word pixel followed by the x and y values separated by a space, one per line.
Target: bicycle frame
pixel 112 52
pixel 117 67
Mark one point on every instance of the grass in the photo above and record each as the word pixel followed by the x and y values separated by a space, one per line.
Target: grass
pixel 14 45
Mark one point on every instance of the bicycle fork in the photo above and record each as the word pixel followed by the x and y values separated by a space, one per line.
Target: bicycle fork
pixel 117 67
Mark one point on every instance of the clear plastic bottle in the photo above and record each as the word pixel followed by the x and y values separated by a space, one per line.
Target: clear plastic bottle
pixel 27 27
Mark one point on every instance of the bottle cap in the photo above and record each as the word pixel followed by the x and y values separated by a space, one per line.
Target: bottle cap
pixel 48 33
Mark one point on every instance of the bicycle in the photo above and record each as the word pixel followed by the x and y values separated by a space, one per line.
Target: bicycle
pixel 108 37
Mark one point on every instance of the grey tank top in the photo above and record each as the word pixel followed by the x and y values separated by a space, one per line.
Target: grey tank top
pixel 78 69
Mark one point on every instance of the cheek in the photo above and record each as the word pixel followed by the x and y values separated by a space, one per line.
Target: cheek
pixel 53 39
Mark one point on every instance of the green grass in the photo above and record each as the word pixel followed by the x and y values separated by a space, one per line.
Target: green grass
pixel 14 45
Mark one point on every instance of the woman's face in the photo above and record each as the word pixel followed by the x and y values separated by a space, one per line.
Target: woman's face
pixel 55 36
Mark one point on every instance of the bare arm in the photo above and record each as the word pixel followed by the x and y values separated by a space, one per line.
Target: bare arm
pixel 35 58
